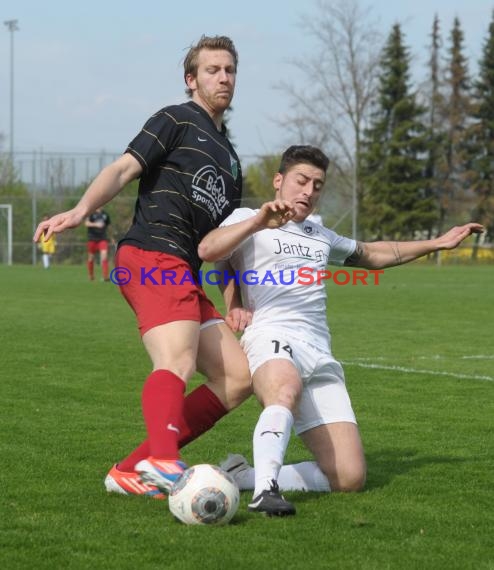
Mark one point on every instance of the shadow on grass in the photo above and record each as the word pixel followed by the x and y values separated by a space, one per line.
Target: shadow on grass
pixel 383 466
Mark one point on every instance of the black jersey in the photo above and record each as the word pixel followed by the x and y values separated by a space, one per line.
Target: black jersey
pixel 191 181
pixel 98 234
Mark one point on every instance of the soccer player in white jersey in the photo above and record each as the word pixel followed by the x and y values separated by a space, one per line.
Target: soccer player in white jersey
pixel 295 376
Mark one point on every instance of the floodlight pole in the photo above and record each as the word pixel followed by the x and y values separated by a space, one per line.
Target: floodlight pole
pixel 354 200
pixel 12 27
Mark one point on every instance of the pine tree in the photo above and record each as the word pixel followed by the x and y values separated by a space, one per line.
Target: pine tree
pixel 435 103
pixel 396 204
pixel 482 136
pixel 452 174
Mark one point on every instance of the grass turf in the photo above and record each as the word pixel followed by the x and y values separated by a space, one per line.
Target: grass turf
pixel 418 356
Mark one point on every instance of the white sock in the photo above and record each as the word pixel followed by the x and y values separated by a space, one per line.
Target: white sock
pixel 46 260
pixel 246 479
pixel 271 437
pixel 305 476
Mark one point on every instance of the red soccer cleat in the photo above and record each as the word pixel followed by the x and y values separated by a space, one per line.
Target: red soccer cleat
pixel 162 473
pixel 126 483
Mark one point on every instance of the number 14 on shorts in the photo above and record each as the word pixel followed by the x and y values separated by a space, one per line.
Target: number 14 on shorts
pixel 278 346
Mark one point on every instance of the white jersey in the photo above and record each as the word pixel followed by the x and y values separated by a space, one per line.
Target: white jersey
pixel 273 266
pixel 316 218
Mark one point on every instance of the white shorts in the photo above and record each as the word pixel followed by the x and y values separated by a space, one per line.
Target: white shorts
pixel 324 399
pixel 210 323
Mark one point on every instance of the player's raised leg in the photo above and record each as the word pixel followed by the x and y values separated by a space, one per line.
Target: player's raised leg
pixel 172 348
pixel 223 361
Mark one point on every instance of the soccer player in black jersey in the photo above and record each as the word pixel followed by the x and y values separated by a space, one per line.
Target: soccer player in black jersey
pixel 97 225
pixel 190 181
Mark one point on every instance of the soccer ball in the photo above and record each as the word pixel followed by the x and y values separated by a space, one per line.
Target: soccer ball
pixel 204 494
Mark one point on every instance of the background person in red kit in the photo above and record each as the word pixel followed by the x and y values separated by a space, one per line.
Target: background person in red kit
pixel 98 224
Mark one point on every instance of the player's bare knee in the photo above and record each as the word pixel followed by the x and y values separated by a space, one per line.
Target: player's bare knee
pixel 184 367
pixel 351 484
pixel 287 396
pixel 348 480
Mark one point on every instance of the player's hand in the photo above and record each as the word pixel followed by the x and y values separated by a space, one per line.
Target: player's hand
pixel 58 223
pixel 456 235
pixel 275 214
pixel 238 319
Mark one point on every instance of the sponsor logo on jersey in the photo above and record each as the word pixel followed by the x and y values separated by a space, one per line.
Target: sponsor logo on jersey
pixel 234 166
pixel 208 188
pixel 301 251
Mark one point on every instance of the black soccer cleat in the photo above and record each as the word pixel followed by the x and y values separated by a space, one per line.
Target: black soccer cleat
pixel 272 503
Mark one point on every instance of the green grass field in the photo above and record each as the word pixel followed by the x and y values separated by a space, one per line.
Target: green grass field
pixel 418 352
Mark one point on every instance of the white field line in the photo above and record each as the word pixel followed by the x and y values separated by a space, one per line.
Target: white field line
pixel 417 371
pixel 433 357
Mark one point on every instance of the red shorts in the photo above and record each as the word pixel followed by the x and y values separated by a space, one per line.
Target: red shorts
pixel 95 246
pixel 158 301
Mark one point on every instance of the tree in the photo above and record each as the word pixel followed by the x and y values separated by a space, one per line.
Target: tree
pixel 482 137
pixel 434 101
pixel 331 108
pixel 452 173
pixel 396 203
pixel 258 180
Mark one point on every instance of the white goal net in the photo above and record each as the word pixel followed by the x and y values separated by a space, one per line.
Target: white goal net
pixel 6 233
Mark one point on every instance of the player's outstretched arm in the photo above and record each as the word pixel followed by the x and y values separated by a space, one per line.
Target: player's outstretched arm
pixel 107 184
pixel 456 235
pixel 220 242
pixel 382 254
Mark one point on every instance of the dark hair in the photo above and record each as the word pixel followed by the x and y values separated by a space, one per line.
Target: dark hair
pixel 303 154
pixel 207 42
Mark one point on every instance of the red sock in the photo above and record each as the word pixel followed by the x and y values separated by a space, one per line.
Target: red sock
pixel 162 406
pixel 202 409
pixel 104 267
pixel 90 269
pixel 142 452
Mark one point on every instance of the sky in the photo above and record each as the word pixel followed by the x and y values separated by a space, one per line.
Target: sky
pixel 87 75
